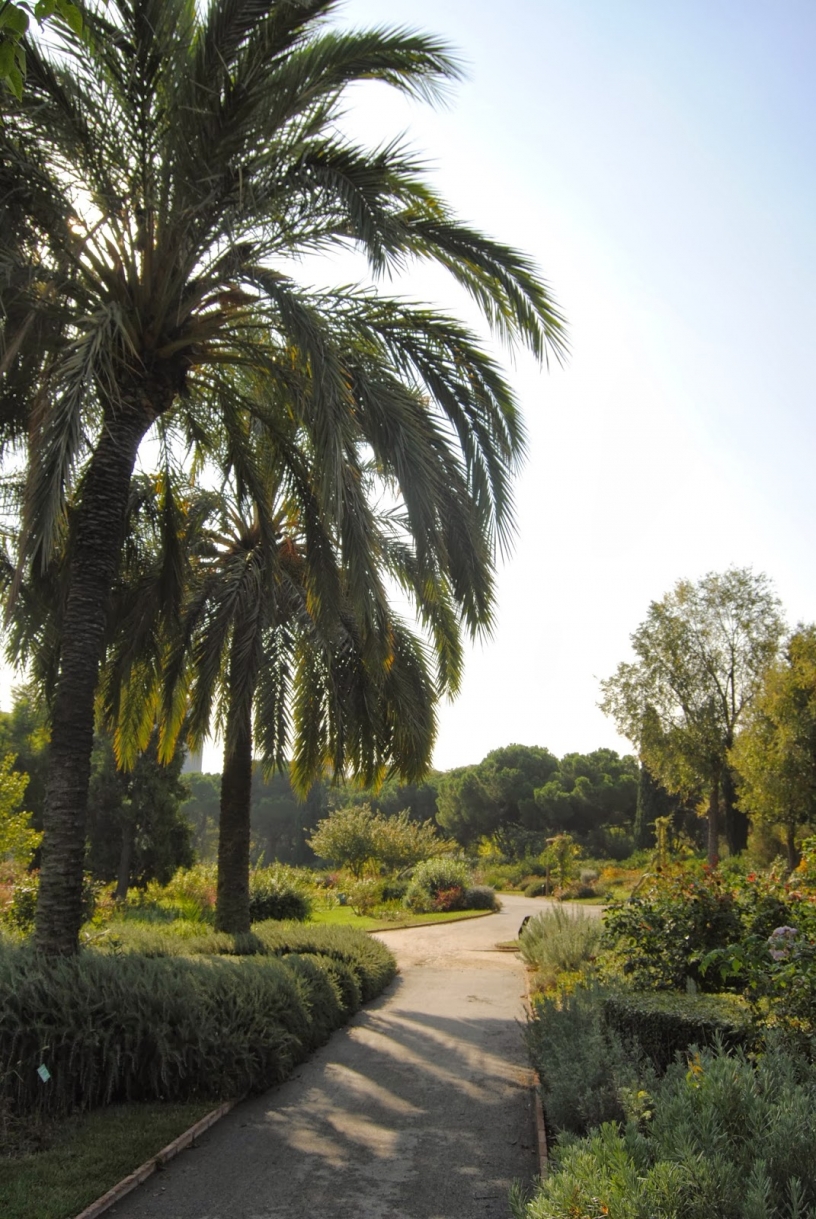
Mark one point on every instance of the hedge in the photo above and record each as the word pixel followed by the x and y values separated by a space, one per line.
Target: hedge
pixel 129 1026
pixel 665 1023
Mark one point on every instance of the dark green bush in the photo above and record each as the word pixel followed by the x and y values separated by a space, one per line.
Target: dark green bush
pixel 433 878
pixel 537 888
pixel 481 897
pixel 272 896
pixel 664 1024
pixel 172 1027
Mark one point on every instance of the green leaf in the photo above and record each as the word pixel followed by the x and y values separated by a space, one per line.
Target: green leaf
pixel 70 15
pixel 43 9
pixel 13 20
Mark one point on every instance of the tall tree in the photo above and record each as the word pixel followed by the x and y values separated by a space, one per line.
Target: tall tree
pixel 775 752
pixel 169 167
pixel 701 654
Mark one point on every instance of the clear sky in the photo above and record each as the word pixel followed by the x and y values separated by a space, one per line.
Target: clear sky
pixel 657 160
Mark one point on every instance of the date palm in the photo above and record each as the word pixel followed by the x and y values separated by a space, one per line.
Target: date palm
pixel 189 153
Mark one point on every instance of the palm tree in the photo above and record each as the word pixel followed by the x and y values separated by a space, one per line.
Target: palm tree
pixel 188 152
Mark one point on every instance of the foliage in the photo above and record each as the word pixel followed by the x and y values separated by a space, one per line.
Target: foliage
pixel 723 1136
pixel 559 858
pixel 274 893
pixel 18 841
pixel 661 934
pixel 165 228
pixel 127 1026
pixel 438 884
pixel 775 753
pixel 481 897
pixel 701 653
pixel 361 840
pixel 664 1024
pixel 14 22
pixel 586 1069
pixel 589 794
pixel 496 796
pixel 136 829
pixel 22 912
pixel 24 733
pixel 518 796
pixel 559 942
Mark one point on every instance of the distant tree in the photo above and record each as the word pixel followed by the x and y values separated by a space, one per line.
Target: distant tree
pixel 281 820
pixel 136 829
pixel 363 841
pixel 701 654
pixel 200 810
pixel 775 753
pixel 24 734
pixel 497 797
pixel 393 796
pixel 18 839
pixel 589 795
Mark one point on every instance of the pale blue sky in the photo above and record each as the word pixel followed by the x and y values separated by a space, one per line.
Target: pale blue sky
pixel 657 159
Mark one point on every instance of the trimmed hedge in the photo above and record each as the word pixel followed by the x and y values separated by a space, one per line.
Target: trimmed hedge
pixel 175 1027
pixel 664 1024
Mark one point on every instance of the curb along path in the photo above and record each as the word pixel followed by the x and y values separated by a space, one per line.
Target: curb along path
pixel 421 1108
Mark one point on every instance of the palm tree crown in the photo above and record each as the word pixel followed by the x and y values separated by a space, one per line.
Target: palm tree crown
pixel 161 178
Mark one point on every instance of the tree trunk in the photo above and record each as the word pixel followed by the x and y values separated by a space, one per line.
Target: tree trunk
pixel 125 856
pixel 232 900
pixel 714 822
pixel 790 843
pixel 736 822
pixel 99 536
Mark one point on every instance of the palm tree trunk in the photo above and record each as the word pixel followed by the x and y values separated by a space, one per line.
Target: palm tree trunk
pixel 232 897
pixel 99 537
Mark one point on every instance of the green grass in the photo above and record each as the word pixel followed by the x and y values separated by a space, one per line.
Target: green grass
pixel 344 916
pixel 84 1156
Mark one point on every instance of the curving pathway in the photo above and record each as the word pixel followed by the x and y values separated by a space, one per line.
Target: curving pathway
pixel 421 1108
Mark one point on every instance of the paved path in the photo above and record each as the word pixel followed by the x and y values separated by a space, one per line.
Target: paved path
pixel 420 1108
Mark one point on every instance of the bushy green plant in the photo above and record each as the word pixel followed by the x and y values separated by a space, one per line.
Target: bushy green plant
pixel 22 909
pixel 481 897
pixel 586 1069
pixel 664 1024
pixel 722 1137
pixel 191 1020
pixel 661 935
pixel 432 877
pixel 558 941
pixel 276 893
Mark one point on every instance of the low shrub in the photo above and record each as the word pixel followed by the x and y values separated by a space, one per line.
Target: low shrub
pixel 559 941
pixel 721 1136
pixel 274 893
pixel 665 1024
pixel 184 1023
pixel 586 1069
pixel 433 877
pixel 482 897
pixel 537 887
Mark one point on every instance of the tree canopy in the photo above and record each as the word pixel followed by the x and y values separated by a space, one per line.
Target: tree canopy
pixel 775 751
pixel 700 655
pixel 160 178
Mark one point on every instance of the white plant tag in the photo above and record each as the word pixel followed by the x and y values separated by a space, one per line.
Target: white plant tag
pixel 43 1072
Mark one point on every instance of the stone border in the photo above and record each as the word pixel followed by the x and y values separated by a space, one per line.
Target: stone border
pixel 134 1179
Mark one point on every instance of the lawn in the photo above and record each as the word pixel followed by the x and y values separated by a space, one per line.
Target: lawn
pixel 61 1168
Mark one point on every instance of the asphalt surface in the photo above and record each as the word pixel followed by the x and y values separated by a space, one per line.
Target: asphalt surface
pixel 421 1108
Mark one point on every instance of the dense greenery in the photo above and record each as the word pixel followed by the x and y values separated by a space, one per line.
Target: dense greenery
pixel 701 653
pixel 128 1025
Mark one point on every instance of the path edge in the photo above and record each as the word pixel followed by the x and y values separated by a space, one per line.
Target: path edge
pixel 538 1108
pixel 146 1170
